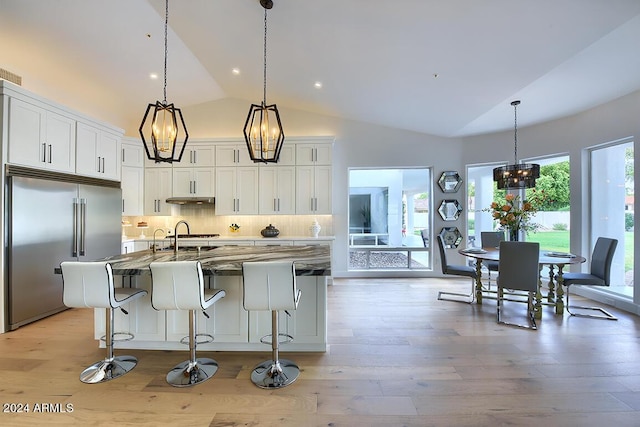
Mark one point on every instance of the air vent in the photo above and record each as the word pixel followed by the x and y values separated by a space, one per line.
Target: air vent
pixel 9 76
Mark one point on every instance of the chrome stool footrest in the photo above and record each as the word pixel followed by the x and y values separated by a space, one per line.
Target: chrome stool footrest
pixel 209 338
pixel 119 336
pixel 267 339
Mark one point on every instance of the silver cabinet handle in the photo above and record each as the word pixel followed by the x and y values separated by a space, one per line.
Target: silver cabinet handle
pixel 44 153
pixel 50 157
pixel 103 165
pixel 195 159
pixel 122 205
pixel 123 155
pixel 274 205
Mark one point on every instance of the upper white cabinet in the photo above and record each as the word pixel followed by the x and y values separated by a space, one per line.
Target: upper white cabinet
pixel 313 154
pixel 41 138
pixel 133 153
pixel 97 152
pixel 157 188
pixel 236 191
pixel 197 155
pixel 277 190
pixel 233 155
pixel 313 190
pixel 193 182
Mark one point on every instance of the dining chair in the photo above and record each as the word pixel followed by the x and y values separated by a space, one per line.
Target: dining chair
pixel 518 270
pixel 455 270
pixel 599 275
pixel 424 233
pixel 491 239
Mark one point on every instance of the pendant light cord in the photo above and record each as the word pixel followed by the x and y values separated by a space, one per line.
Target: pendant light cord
pixel 515 131
pixel 166 24
pixel 264 87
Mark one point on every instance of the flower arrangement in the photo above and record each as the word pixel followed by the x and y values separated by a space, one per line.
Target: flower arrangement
pixel 516 214
pixel 234 228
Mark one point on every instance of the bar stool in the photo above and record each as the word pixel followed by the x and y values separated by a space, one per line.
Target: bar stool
pixel 271 286
pixel 179 285
pixel 90 285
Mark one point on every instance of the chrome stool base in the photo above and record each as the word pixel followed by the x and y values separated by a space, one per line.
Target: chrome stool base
pixel 108 369
pixel 275 375
pixel 187 373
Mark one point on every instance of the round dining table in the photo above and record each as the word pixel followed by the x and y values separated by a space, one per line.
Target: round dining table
pixel 556 261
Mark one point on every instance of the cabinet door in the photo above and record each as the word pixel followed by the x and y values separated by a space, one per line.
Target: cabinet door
pixel 26 133
pixel 204 182
pixel 133 154
pixel 225 186
pixel 268 197
pixel 109 155
pixel 305 190
pixel 247 190
pixel 157 188
pixel 182 183
pixel 313 154
pixel 232 155
pixel 323 190
pixel 97 152
pixel 132 191
pixel 60 143
pixel 197 155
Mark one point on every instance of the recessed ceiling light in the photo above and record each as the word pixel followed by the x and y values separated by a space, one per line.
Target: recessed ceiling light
pixel 153 76
pixel 318 85
pixel 235 71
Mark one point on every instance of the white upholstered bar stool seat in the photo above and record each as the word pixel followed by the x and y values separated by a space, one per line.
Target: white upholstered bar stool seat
pixel 90 285
pixel 271 286
pixel 179 285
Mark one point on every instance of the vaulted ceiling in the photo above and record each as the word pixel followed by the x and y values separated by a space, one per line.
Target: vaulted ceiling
pixel 442 67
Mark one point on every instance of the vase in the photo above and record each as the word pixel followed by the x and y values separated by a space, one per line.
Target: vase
pixel 315 228
pixel 513 234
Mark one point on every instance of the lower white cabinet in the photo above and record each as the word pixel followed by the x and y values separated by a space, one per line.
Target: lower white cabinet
pixel 233 328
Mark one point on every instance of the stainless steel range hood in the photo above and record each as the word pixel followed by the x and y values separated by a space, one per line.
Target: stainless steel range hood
pixel 191 200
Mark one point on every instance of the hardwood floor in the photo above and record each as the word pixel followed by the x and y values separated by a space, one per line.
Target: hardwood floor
pixel 398 357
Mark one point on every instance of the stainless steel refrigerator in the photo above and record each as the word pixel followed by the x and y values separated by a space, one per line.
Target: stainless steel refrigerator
pixel 52 218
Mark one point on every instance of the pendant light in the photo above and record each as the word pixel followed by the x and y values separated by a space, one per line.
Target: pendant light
pixel 163 127
pixel 263 131
pixel 517 175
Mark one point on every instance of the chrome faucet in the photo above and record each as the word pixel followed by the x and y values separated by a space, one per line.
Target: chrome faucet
pixel 175 234
pixel 153 248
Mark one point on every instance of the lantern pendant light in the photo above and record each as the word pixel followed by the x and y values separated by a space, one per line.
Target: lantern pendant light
pixel 517 175
pixel 164 142
pixel 263 131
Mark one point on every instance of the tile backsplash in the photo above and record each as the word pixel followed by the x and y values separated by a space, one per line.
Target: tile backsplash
pixel 202 220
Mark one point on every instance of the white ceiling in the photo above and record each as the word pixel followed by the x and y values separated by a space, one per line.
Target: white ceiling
pixel 376 59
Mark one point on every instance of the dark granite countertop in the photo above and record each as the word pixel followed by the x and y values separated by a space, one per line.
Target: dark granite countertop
pixel 227 260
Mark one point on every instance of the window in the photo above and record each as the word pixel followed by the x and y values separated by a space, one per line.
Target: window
pixel 389 219
pixel 611 208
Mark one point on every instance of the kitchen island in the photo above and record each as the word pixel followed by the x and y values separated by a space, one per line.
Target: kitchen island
pixel 233 328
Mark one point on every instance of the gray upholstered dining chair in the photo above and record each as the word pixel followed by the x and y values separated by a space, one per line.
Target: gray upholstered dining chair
pixel 599 275
pixel 456 270
pixel 518 270
pixel 491 239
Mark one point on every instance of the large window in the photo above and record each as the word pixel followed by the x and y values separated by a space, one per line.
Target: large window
pixel 611 208
pixel 389 219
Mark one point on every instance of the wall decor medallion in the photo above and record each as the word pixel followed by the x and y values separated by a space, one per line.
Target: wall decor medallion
pixel 449 182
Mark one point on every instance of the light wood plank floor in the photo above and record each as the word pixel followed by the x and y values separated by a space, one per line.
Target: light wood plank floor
pixel 398 357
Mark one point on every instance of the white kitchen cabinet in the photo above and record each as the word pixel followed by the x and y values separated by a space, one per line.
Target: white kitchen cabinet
pixel 273 242
pixel 306 324
pixel 236 190
pixel 132 183
pixel 277 190
pixel 133 153
pixel 227 322
pixel 197 155
pixel 157 188
pixel 97 152
pixel 128 247
pixel 143 321
pixel 313 190
pixel 232 155
pixel 313 153
pixel 192 182
pixel 41 138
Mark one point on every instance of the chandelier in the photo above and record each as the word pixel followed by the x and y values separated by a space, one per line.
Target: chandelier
pixel 164 125
pixel 517 175
pixel 263 131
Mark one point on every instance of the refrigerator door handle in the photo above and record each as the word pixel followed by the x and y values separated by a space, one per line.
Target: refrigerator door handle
pixel 74 252
pixel 83 225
